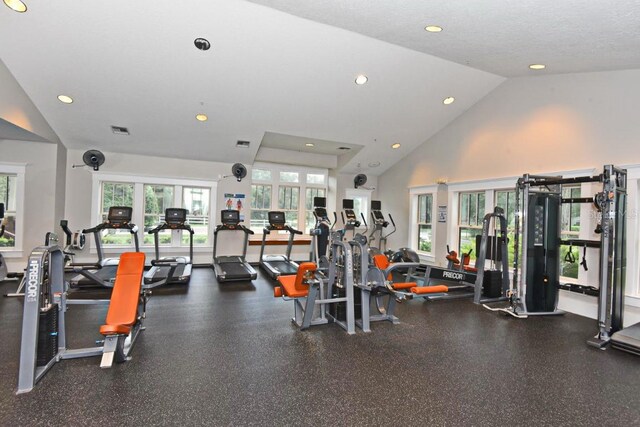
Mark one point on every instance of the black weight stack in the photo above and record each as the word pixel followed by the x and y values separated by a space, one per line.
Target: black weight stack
pixel 340 309
pixel 47 335
pixel 492 284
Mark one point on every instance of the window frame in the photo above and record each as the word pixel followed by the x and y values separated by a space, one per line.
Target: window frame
pixel 414 195
pixel 302 185
pixel 19 170
pixel 139 181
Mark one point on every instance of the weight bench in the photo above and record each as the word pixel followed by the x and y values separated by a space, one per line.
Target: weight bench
pixel 124 317
pixel 383 264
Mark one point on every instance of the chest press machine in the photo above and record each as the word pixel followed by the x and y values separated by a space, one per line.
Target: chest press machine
pixel 44 339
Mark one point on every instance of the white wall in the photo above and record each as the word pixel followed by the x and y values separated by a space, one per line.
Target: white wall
pixel 528 125
pixel 39 193
pixel 16 107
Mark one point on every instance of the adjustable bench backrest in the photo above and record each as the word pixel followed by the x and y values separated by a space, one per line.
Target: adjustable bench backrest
pixel 125 298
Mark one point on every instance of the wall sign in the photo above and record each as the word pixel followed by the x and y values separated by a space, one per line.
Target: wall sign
pixel 442 214
pixel 236 202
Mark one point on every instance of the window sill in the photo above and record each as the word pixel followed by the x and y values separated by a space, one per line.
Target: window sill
pixel 11 252
pixel 280 240
pixel 426 257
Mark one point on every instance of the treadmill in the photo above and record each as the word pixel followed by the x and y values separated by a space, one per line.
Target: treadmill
pixel 170 270
pixel 232 268
pixel 102 274
pixel 278 265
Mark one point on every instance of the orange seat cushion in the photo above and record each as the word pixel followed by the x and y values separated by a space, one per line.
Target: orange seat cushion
pixel 407 285
pixel 289 286
pixel 115 330
pixel 470 269
pixel 295 286
pixel 125 297
pixel 419 290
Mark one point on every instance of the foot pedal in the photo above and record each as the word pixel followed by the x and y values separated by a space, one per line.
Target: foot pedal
pixel 107 360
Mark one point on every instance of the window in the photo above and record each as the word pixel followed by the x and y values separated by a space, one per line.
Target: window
pixel 506 199
pixel 310 220
pixel 196 201
pixel 470 215
pixel 285 188
pixel 570 229
pixel 425 210
pixel 150 197
pixel 260 206
pixel 288 176
pixel 288 201
pixel 116 194
pixel 8 187
pixel 157 198
pixel 260 175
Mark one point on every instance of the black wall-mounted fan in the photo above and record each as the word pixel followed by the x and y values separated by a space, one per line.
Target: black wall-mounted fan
pixel 239 171
pixel 93 159
pixel 359 180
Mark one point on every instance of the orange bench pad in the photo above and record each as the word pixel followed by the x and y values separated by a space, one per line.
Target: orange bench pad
pixel 419 290
pixel 401 286
pixel 294 286
pixel 125 297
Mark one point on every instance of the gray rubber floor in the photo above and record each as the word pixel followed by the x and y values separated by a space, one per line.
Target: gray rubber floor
pixel 227 354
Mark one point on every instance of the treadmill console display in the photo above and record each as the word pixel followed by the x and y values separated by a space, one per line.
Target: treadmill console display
pixel 320 202
pixel 119 214
pixel 230 217
pixel 276 219
pixel 175 216
pixel 376 205
pixel 347 204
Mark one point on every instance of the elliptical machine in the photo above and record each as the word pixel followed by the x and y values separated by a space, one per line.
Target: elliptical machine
pixel 379 223
pixel 320 233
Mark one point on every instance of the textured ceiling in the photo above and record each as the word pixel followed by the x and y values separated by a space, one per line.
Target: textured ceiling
pixel 499 36
pixel 134 64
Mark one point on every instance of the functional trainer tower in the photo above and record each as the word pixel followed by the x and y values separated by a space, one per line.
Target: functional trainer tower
pixel 231 268
pixel 168 270
pixel 277 265
pixel 536 280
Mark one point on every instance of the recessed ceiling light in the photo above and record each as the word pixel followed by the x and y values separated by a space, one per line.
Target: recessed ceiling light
pixel 309 144
pixel 374 164
pixel 448 101
pixel 537 66
pixel 395 146
pixel 16 5
pixel 65 99
pixel 202 117
pixel 361 79
pixel 433 28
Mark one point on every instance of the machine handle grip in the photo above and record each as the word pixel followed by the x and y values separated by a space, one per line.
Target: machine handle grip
pixel 392 221
pixel 364 221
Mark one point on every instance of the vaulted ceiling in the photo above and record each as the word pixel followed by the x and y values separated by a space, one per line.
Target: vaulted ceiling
pixel 134 64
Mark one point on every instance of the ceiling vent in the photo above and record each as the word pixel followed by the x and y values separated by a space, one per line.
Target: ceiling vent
pixel 344 148
pixel 243 144
pixel 118 130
